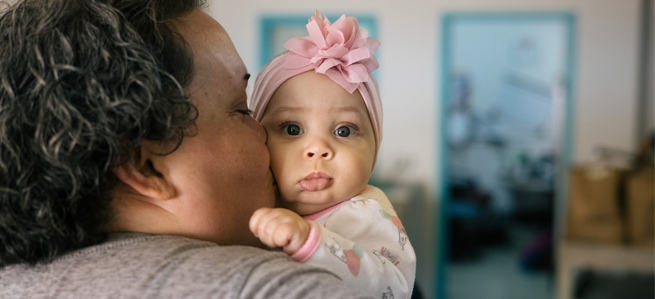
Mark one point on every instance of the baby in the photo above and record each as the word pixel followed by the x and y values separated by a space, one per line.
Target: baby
pixel 322 112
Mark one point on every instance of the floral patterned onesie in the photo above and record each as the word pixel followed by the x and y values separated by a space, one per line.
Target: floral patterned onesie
pixel 362 241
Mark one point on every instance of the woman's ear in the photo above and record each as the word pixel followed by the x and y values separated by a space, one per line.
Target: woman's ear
pixel 145 179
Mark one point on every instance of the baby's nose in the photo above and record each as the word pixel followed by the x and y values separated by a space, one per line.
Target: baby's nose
pixel 319 149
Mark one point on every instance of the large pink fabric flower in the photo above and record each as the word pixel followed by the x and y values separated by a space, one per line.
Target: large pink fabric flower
pixel 342 51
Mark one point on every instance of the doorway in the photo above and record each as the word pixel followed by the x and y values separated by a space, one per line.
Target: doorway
pixel 506 126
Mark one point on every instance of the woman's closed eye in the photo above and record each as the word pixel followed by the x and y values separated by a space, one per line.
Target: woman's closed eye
pixel 245 111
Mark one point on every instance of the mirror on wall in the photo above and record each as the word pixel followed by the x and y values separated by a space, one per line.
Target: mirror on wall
pixel 505 114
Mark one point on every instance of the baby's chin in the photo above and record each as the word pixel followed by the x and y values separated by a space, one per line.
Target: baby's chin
pixel 312 202
pixel 306 205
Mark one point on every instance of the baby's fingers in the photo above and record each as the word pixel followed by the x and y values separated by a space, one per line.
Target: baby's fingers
pixel 283 233
pixel 257 220
pixel 271 226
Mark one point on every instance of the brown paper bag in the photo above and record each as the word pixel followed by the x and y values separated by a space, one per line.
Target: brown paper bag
pixel 640 206
pixel 594 214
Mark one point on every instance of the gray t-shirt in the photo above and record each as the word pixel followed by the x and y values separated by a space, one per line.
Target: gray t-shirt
pixel 148 266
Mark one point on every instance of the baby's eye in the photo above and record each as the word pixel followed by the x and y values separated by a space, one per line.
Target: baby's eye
pixel 343 131
pixel 293 130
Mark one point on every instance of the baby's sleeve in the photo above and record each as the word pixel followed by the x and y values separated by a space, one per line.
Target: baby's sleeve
pixel 365 244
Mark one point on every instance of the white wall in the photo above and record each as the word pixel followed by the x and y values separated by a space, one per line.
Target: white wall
pixel 606 67
pixel 605 83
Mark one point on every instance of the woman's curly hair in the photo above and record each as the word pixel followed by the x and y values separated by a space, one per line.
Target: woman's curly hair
pixel 82 84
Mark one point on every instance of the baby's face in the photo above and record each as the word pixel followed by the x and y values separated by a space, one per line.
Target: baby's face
pixel 321 142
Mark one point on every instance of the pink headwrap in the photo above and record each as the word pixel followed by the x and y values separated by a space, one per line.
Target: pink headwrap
pixel 342 51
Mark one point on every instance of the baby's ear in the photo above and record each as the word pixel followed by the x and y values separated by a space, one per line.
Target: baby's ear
pixel 144 178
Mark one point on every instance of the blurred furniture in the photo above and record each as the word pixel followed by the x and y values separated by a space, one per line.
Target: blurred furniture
pixel 576 256
pixel 533 201
pixel 472 225
pixel 408 201
pixel 609 224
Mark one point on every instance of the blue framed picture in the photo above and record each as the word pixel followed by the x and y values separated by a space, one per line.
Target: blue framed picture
pixel 275 30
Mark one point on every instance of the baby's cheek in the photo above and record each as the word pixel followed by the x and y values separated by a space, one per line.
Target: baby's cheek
pixel 275 165
pixel 284 184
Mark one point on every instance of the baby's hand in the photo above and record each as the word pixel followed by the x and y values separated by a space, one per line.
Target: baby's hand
pixel 280 228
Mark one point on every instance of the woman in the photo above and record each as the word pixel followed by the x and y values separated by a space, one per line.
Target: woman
pixel 124 130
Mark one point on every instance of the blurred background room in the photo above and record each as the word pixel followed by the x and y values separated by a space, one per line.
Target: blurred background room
pixel 517 136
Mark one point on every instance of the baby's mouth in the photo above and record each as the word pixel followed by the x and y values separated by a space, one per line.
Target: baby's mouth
pixel 315 181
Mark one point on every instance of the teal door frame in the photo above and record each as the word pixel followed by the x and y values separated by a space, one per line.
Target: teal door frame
pixel 447 21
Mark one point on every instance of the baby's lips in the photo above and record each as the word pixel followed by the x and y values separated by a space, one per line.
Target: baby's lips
pixel 315 181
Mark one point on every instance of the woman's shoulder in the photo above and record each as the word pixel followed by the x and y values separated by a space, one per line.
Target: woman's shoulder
pixel 146 249
pixel 141 265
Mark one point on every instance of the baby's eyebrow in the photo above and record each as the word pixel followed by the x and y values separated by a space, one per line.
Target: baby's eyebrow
pixel 291 109
pixel 348 109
